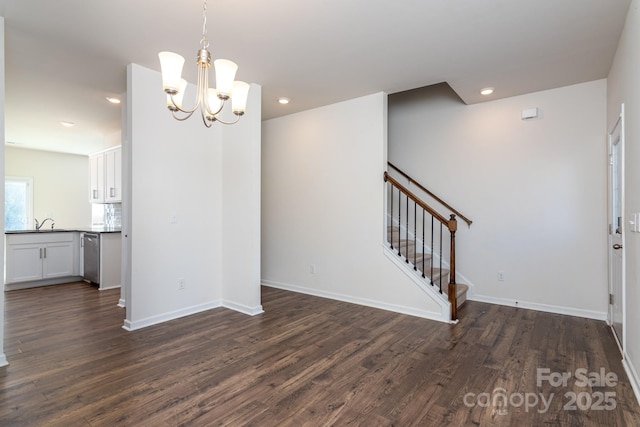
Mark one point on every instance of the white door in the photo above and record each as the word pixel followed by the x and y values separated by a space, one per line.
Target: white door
pixel 616 226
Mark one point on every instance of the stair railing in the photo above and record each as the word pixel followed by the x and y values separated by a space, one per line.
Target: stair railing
pixel 429 230
pixel 436 198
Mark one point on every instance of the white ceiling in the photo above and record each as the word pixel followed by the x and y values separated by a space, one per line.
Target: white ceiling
pixel 64 57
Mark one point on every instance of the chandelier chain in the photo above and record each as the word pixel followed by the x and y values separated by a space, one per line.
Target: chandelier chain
pixel 204 42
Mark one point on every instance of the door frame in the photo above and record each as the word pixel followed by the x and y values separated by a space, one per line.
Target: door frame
pixel 618 124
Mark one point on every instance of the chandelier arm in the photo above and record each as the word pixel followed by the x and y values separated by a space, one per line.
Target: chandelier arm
pixel 189 112
pixel 228 123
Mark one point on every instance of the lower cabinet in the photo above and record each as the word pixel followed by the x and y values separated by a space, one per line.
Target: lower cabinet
pixel 34 256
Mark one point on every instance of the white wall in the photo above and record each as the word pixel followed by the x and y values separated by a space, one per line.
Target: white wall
pixel 3 358
pixel 323 206
pixel 113 139
pixel 241 209
pixel 535 190
pixel 177 167
pixel 60 184
pixel 624 87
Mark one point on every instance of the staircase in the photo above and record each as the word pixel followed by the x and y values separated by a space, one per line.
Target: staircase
pixel 424 238
pixel 421 263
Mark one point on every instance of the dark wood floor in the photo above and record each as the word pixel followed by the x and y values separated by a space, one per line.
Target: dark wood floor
pixel 306 361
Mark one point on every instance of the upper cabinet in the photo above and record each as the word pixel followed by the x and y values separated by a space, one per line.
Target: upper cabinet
pixel 106 176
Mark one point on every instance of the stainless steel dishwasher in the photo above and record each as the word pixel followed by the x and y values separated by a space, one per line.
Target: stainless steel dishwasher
pixel 91 243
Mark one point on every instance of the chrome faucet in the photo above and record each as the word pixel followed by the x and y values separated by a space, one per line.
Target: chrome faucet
pixel 39 225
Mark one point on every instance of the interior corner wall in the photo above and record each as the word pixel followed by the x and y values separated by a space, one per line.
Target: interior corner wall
pixel 241 209
pixel 536 190
pixel 624 87
pixel 3 358
pixel 323 207
pixel 175 224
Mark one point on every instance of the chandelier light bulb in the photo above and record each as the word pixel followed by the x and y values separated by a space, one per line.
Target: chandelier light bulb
pixel 171 66
pixel 225 73
pixel 239 99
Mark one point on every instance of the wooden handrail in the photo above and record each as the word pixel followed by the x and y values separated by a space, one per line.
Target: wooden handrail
pixel 438 199
pixel 423 205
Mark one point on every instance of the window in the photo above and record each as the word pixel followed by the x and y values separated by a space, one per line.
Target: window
pixel 18 203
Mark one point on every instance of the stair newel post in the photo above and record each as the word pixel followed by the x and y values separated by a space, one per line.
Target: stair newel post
pixel 453 227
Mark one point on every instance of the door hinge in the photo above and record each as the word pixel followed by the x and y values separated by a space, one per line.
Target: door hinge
pixel 610 299
pixel 610 160
pixel 610 229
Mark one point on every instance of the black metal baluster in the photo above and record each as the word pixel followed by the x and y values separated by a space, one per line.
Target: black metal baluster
pixel 431 262
pixel 406 233
pixel 440 280
pixel 423 243
pixel 415 234
pixel 399 219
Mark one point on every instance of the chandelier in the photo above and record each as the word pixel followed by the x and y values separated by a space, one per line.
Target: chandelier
pixel 210 101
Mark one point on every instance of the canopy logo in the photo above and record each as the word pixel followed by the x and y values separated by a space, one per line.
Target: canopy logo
pixel 500 400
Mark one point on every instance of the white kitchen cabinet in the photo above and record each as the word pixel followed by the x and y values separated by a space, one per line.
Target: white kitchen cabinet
pixel 113 176
pixel 96 178
pixel 105 179
pixel 41 256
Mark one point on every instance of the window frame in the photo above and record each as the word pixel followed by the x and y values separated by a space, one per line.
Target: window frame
pixel 29 196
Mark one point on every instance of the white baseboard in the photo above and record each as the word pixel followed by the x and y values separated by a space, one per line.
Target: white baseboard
pixel 569 311
pixel 632 374
pixel 251 311
pixel 356 300
pixel 165 317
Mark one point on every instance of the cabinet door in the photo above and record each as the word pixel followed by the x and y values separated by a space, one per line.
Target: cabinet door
pixel 24 263
pixel 57 260
pixel 113 176
pixel 96 178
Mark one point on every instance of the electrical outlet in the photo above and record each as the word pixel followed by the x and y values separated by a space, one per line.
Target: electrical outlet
pixel 173 218
pixel 312 269
pixel 181 284
pixel 501 276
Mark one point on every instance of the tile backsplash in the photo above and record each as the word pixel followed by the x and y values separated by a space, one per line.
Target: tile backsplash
pixel 107 215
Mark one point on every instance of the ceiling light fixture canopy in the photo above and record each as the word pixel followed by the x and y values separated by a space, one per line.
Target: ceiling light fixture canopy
pixel 210 101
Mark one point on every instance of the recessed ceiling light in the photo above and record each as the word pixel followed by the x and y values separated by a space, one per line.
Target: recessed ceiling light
pixel 283 101
pixel 68 124
pixel 486 91
pixel 113 100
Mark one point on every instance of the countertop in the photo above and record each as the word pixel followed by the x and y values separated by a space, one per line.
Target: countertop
pixel 90 229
